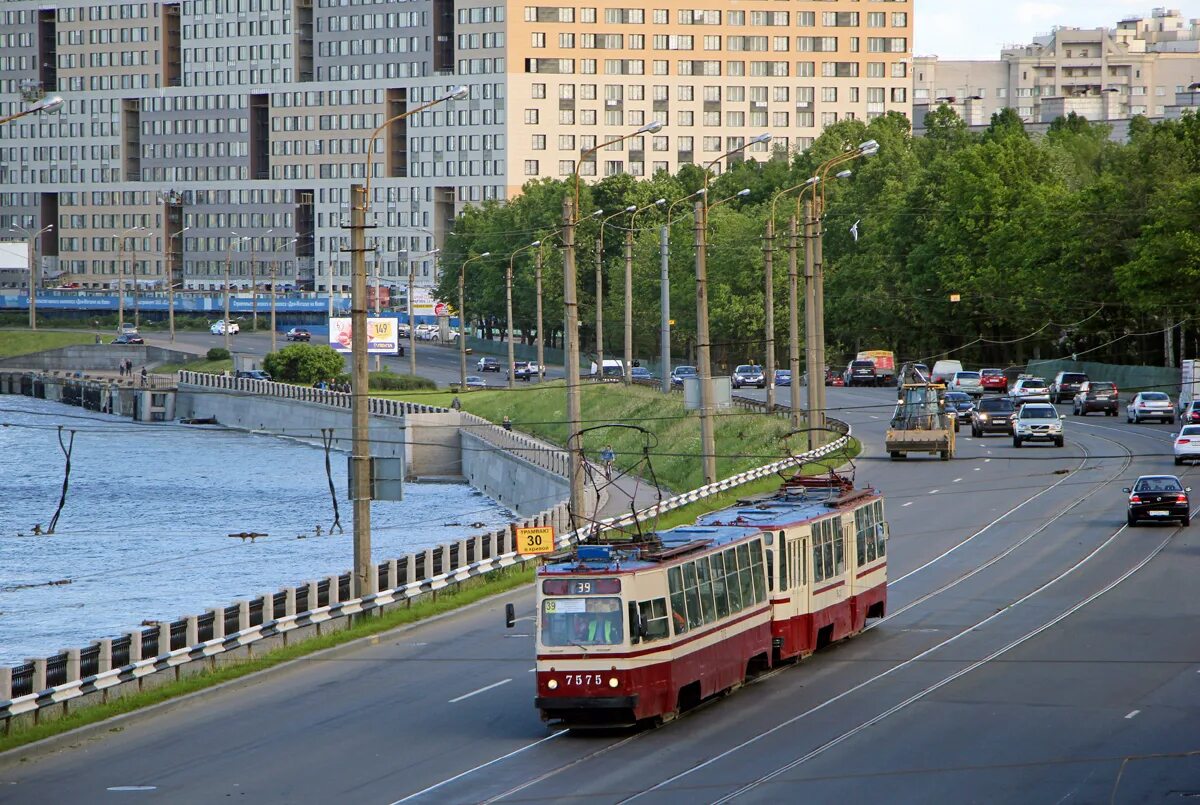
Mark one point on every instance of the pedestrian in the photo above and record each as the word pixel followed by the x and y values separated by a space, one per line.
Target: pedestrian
pixel 456 404
pixel 129 366
pixel 608 456
pixel 507 423
pixel 121 368
pixel 97 338
pixel 143 375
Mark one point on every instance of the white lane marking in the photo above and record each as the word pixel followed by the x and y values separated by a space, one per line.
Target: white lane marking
pixel 874 417
pixel 911 503
pixel 977 469
pixel 560 769
pixel 962 672
pixel 132 788
pixel 986 460
pixel 460 775
pixel 933 491
pixel 481 690
pixel 1133 713
pixel 956 480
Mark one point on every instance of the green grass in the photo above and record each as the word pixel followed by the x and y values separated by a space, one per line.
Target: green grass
pixel 744 439
pixel 452 598
pixel 26 343
pixel 212 367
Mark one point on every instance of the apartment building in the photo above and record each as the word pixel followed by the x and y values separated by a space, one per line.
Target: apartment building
pixel 1143 66
pixel 202 134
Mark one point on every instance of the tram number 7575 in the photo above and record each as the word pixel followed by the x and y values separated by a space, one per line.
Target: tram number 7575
pixel 582 679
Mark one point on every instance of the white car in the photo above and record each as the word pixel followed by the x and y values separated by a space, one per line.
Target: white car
pixel 1150 405
pixel 966 382
pixel 218 328
pixel 1030 389
pixel 1038 422
pixel 1187 444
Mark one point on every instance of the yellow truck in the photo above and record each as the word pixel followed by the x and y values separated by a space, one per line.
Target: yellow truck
pixel 920 423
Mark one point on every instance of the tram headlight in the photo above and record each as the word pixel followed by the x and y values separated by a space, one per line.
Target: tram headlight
pixel 613 682
pixel 552 684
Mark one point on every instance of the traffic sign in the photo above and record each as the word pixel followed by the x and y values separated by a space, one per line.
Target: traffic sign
pixel 538 539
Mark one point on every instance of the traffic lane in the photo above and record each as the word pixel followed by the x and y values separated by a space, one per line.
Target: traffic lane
pixel 1063 711
pixel 908 641
pixel 300 733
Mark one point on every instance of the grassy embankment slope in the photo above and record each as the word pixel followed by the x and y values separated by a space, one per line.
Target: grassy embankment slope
pixel 17 342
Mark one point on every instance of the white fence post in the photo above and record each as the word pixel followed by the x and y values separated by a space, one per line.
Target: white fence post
pixel 218 623
pixel 193 630
pixel 103 661
pixel 39 673
pixel 164 637
pixel 243 615
pixel 72 664
pixel 5 683
pixel 335 589
pixel 289 602
pixel 135 646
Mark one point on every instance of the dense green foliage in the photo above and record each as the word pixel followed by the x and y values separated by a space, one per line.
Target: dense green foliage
pixel 304 363
pixel 217 354
pixel 26 343
pixel 1067 243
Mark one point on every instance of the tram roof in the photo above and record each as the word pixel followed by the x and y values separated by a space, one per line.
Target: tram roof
pixel 810 504
pixel 672 543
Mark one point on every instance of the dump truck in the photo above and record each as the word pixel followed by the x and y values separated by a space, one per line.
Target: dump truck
pixel 920 423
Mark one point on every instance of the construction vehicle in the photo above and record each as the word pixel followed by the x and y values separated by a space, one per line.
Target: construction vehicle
pixel 921 423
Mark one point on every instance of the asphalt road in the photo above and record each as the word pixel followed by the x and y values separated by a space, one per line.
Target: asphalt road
pixel 1036 650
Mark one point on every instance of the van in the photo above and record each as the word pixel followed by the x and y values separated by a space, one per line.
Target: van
pixel 943 371
pixel 612 368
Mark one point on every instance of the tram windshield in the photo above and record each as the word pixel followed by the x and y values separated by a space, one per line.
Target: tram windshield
pixel 582 622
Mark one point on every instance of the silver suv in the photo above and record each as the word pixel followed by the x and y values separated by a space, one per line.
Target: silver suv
pixel 1038 422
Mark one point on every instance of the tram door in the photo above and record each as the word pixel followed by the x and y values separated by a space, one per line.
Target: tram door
pixel 797 565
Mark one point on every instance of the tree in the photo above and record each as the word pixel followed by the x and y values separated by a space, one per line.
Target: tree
pixel 304 363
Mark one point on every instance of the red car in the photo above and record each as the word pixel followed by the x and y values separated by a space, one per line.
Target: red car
pixel 993 380
pixel 834 378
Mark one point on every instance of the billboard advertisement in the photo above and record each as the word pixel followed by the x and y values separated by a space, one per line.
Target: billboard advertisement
pixel 382 335
pixel 424 304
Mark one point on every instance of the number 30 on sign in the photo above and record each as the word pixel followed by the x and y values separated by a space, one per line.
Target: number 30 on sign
pixel 535 540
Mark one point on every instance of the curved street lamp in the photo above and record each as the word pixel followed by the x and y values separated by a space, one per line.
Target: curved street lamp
pixel 121 272
pixel 600 286
pixel 508 276
pixel 171 282
pixel 34 280
pixel 664 289
pixel 628 373
pixel 462 320
pixel 50 104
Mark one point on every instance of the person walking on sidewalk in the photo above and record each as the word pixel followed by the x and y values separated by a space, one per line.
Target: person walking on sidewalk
pixel 143 375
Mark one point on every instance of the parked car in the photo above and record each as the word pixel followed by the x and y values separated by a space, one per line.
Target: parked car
pixel 1096 395
pixel 1158 498
pixel 960 405
pixel 488 364
pixel 966 382
pixel 1191 413
pixel 218 327
pixel 993 380
pixel 944 370
pixel 1150 405
pixel 1187 444
pixel 298 334
pixel 680 372
pixel 254 374
pixel 1066 385
pixel 1038 422
pixel 748 374
pixel 993 415
pixel 783 377
pixel 476 382
pixel 128 338
pixel 1030 389
pixel 859 373
pixel 912 372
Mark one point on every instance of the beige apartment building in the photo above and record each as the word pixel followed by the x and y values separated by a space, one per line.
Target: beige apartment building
pixel 1143 66
pixel 197 134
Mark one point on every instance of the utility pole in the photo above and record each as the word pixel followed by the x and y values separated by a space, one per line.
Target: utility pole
pixel 33 281
pixel 769 300
pixel 225 326
pixel 664 302
pixel 329 287
pixel 541 338
pixel 508 279
pixel 274 282
pixel 137 315
pixel 378 357
pixel 600 303
pixel 818 421
pixel 816 371
pixel 794 323
pixel 629 305
pixel 171 279
pixel 359 399
pixel 708 450
pixel 571 343
pixel 253 291
pixel 412 322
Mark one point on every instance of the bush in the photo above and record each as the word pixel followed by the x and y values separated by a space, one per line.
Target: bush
pixel 304 363
pixel 218 354
pixel 386 381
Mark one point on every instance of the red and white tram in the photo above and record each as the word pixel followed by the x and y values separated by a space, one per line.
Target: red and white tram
pixel 627 632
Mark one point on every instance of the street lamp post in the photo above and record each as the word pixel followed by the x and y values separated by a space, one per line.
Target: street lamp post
pixel 274 283
pixel 34 279
pixel 600 289
pixel 254 283
pixel 462 320
pixel 769 297
pixel 412 324
pixel 629 286
pixel 508 280
pixel 228 260
pixel 171 281
pixel 664 291
pixel 121 274
pixel 360 201
pixel 571 336
pixel 708 436
pixel 44 105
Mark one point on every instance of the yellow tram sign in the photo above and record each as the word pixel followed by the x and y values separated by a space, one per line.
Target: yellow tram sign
pixel 535 540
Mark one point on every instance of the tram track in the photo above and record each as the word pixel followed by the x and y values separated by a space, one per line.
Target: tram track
pixel 1127 460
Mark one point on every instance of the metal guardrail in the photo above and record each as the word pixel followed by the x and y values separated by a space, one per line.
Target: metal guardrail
pixel 455 564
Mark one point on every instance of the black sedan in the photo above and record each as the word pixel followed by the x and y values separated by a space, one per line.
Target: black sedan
pixel 961 405
pixel 1159 498
pixel 128 338
pixel 298 334
pixel 992 415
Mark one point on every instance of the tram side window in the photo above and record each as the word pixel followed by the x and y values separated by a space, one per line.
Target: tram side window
pixel 839 558
pixel 770 568
pixel 869 532
pixel 720 592
pixel 756 567
pixel 654 615
pixel 678 601
pixel 783 562
pixel 745 572
pixel 691 593
pixel 824 537
pixel 705 588
pixel 732 585
pixel 880 529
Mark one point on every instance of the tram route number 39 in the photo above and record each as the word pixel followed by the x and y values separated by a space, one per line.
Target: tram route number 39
pixel 535 540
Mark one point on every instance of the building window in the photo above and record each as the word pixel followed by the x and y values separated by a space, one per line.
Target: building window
pixel 539 142
pixel 531 167
pixel 531 117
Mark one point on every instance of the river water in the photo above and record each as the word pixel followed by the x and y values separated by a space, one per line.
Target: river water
pixel 143 534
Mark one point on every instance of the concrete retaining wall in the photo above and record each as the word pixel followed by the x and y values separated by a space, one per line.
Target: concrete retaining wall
pixel 518 484
pixel 97 358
